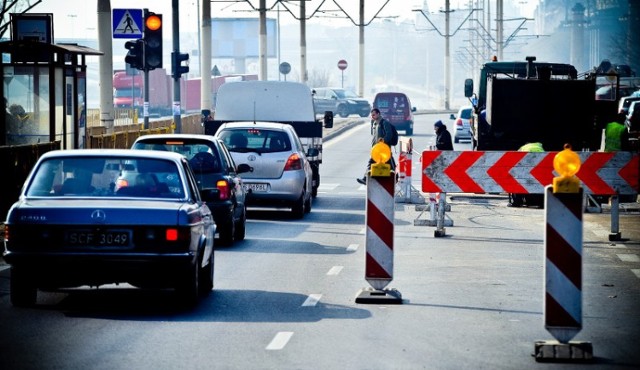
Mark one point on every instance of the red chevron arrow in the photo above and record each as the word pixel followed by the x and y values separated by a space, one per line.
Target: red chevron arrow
pixel 500 172
pixel 588 173
pixel 428 186
pixel 457 171
pixel 630 172
pixel 543 172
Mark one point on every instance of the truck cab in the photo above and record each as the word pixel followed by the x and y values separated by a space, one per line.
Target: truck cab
pixel 522 102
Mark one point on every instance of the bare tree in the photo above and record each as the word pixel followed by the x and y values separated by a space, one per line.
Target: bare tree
pixel 319 78
pixel 13 6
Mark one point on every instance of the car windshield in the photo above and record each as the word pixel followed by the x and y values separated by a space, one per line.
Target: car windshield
pixel 256 140
pixel 465 113
pixel 201 156
pixel 345 94
pixel 106 177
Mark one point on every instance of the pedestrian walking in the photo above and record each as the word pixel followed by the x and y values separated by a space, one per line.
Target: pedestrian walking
pixel 381 130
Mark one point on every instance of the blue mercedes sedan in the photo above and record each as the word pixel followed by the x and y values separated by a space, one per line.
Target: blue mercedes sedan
pixel 72 226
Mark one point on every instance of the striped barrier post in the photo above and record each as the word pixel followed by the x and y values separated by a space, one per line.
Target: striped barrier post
pixel 563 264
pixel 380 209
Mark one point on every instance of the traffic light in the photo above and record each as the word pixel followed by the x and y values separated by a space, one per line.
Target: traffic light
pixel 177 69
pixel 152 41
pixel 135 54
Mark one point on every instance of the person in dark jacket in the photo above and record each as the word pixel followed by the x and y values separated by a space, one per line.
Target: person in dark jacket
pixel 443 136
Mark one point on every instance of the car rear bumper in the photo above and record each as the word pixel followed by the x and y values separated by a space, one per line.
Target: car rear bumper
pixel 54 270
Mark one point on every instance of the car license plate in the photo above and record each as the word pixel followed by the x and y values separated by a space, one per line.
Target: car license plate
pixel 256 187
pixel 112 238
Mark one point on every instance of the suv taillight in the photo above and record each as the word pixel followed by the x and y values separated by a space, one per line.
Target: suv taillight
pixel 459 122
pixel 293 163
pixel 224 189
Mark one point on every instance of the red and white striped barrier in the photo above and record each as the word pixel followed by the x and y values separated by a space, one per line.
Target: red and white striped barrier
pixel 563 277
pixel 379 241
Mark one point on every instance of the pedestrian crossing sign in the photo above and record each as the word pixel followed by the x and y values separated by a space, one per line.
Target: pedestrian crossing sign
pixel 127 23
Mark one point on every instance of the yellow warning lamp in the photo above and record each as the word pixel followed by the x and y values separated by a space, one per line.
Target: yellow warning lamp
pixel 380 153
pixel 567 164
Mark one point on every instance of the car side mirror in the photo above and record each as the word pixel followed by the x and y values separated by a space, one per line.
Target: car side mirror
pixel 468 88
pixel 414 109
pixel 313 152
pixel 452 116
pixel 243 168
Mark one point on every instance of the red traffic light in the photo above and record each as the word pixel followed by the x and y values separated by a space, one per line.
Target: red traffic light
pixel 153 22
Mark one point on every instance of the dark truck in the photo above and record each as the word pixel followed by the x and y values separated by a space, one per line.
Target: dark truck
pixel 523 102
pixel 273 101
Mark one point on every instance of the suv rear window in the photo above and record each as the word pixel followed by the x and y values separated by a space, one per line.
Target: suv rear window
pixel 256 140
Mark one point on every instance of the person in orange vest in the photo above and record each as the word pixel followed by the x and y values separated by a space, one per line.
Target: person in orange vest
pixel 616 137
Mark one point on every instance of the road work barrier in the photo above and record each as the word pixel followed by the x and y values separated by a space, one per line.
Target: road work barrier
pixel 379 217
pixel 405 192
pixel 601 173
pixel 563 264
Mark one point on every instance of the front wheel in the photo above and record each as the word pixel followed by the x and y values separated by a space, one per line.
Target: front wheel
pixel 342 111
pixel 24 292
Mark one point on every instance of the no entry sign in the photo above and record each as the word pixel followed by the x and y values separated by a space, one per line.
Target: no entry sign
pixel 342 64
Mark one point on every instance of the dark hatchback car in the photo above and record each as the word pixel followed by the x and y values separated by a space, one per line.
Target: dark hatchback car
pixel 341 102
pixel 216 172
pixel 396 108
pixel 71 227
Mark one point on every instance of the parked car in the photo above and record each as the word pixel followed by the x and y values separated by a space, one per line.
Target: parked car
pixel 215 171
pixel 70 227
pixel 625 103
pixel 282 175
pixel 396 108
pixel 633 118
pixel 463 124
pixel 341 102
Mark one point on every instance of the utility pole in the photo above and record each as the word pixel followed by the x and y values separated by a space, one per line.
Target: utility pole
pixel 105 44
pixel 304 77
pixel 177 119
pixel 206 103
pixel 447 35
pixel 263 40
pixel 447 58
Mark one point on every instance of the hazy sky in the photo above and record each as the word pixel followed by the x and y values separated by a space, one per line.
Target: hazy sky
pixel 77 18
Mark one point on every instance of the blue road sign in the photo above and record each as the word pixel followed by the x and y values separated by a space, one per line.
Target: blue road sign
pixel 127 23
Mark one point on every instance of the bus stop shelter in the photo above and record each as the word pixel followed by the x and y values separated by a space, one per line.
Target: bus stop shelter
pixel 44 90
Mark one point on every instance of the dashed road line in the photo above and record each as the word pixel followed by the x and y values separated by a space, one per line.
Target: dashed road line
pixel 2 268
pixel 352 248
pixel 279 341
pixel 637 272
pixel 335 270
pixel 628 257
pixel 312 300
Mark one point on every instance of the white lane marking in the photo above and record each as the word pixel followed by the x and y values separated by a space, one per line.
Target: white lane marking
pixel 327 187
pixel 312 300
pixel 628 257
pixel 637 272
pixel 335 270
pixel 2 268
pixel 352 248
pixel 362 188
pixel 280 340
pixel 362 231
